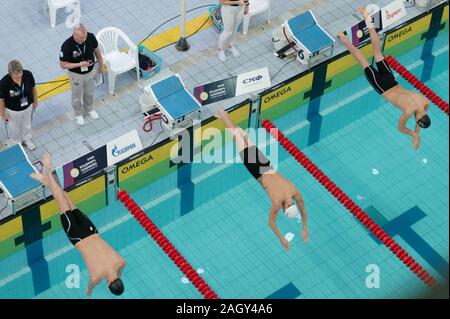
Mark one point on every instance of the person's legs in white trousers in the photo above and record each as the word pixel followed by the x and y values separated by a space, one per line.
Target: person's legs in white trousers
pixel 239 16
pixel 19 127
pixel 231 17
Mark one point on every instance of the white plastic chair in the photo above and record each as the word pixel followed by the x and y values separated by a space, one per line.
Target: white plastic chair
pixel 256 7
pixel 117 61
pixel 54 5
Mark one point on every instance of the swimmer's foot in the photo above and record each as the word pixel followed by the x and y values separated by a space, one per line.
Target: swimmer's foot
pixel 366 17
pixel 46 161
pixel 342 36
pixel 223 115
pixel 364 12
pixel 40 178
pixel 220 113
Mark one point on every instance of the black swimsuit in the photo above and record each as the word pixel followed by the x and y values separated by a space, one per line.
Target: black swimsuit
pixel 382 80
pixel 77 225
pixel 255 161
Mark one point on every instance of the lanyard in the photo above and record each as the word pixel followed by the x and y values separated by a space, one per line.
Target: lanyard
pixel 21 89
pixel 84 49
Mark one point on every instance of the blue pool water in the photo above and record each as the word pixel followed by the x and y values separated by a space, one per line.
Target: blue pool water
pixel 227 235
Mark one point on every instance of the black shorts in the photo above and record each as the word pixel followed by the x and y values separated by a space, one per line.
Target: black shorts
pixel 383 79
pixel 77 225
pixel 255 161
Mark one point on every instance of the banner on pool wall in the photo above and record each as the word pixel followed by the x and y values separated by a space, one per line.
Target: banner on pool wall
pixel 123 147
pixel 393 13
pixel 410 30
pixel 87 165
pixel 241 84
pixel 145 160
pixel 285 91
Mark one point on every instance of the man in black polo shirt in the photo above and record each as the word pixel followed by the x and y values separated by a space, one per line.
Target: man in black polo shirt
pixel 78 55
pixel 18 99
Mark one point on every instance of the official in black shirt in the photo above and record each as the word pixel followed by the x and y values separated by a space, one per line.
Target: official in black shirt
pixel 18 99
pixel 78 54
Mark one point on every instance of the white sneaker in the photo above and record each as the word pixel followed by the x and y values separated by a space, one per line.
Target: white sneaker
pixel 29 145
pixel 221 55
pixel 94 115
pixel 235 52
pixel 79 120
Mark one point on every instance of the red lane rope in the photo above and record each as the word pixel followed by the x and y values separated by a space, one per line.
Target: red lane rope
pixel 349 204
pixel 411 78
pixel 166 245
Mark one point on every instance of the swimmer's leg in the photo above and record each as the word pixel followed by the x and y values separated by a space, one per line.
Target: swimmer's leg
pixel 357 54
pixel 240 137
pixel 58 194
pixel 377 52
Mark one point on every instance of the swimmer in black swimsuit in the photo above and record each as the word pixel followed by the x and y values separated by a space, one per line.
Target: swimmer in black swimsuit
pixel 383 81
pixel 281 192
pixel 101 259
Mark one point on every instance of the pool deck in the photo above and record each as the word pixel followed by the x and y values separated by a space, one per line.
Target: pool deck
pixel 53 125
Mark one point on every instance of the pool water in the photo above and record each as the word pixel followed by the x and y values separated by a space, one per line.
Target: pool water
pixel 226 235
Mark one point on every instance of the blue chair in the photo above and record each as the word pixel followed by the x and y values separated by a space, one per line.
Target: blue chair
pixel 15 180
pixel 310 38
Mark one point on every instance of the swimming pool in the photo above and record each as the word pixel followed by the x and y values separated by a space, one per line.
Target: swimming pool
pixel 221 226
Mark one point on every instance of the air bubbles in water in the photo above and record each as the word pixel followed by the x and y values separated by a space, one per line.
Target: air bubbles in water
pixel 289 236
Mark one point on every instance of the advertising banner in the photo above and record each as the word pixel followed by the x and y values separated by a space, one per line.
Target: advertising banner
pixel 76 171
pixel 123 147
pixel 235 86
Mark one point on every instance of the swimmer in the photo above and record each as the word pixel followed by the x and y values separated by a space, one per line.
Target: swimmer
pixel 100 258
pixel 383 81
pixel 280 191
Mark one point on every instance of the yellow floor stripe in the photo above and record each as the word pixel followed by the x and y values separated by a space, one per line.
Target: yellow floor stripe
pixel 170 36
pixel 157 42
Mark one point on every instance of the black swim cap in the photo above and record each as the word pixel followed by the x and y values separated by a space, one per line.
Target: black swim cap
pixel 116 287
pixel 424 121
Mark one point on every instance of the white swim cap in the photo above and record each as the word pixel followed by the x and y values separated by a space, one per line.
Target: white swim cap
pixel 291 212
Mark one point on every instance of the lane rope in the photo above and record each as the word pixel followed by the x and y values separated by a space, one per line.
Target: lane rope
pixel 346 201
pixel 419 85
pixel 166 245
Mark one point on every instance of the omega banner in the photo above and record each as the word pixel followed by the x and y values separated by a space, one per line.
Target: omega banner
pixel 87 165
pixel 228 88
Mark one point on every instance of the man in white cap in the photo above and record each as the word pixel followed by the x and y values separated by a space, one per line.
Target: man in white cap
pixel 281 192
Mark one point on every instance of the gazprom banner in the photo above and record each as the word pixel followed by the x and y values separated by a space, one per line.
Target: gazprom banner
pixel 87 165
pixel 123 147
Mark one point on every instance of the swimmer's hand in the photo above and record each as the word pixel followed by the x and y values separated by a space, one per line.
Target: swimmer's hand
pixel 305 235
pixel 285 243
pixel 89 292
pixel 416 141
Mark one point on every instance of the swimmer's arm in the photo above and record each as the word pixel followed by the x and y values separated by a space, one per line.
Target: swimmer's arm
pixel 301 204
pixel 273 218
pixel 402 125
pixel 93 281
